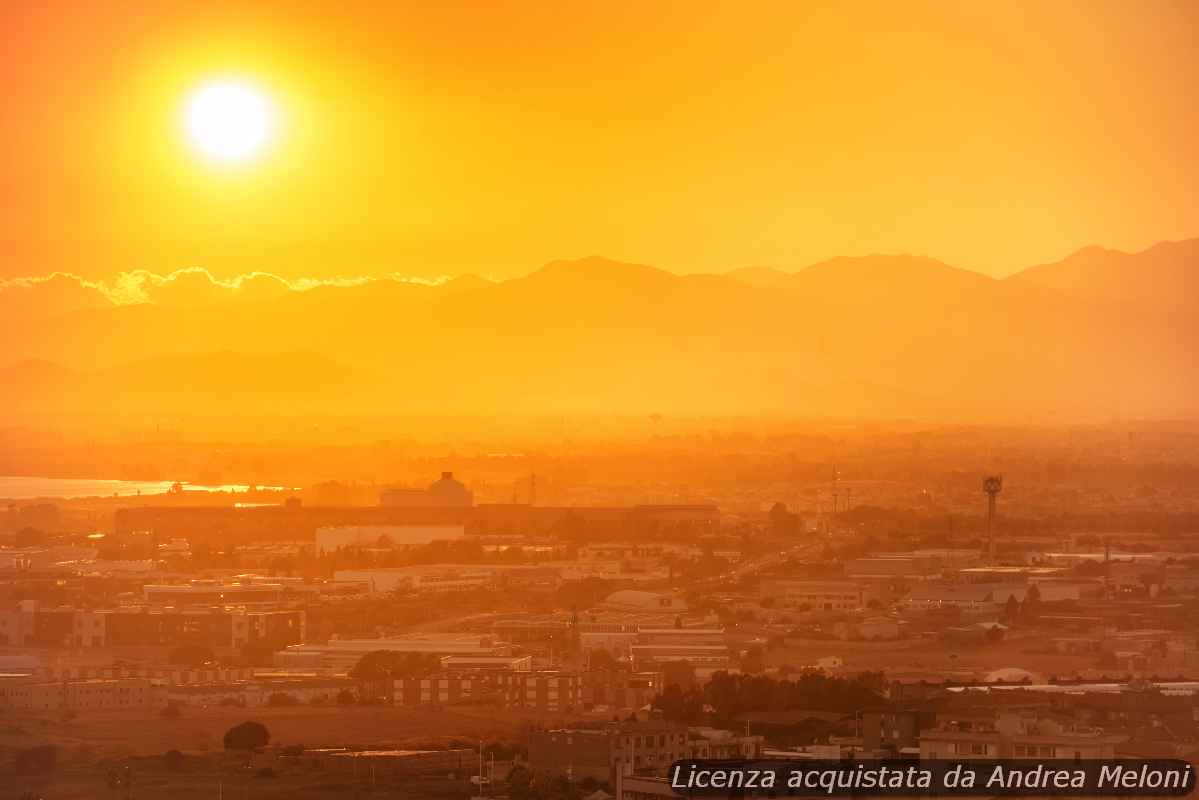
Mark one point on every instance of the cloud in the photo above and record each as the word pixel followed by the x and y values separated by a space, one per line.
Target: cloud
pixel 58 292
pixel 194 287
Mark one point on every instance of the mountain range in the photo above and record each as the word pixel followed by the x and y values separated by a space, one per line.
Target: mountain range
pixel 1099 334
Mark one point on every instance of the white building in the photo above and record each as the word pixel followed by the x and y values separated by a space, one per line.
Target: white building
pixel 331 538
pixel 636 600
pixel 814 595
pixel 340 655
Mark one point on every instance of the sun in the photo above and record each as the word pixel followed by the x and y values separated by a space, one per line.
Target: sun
pixel 229 120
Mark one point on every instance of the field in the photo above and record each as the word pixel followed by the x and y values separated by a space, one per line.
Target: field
pixel 92 743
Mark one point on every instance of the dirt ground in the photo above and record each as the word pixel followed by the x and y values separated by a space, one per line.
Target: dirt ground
pixel 151 781
pixel 128 733
pixel 91 743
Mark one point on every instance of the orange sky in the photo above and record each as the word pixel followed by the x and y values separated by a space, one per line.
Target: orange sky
pixel 487 137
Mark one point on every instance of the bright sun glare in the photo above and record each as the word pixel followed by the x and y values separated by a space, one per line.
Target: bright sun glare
pixel 229 120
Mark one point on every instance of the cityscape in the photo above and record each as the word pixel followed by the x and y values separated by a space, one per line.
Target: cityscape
pixel 441 640
pixel 580 400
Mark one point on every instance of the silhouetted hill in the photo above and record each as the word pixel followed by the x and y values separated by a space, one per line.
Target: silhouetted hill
pixel 871 336
pixel 1163 278
pixel 758 276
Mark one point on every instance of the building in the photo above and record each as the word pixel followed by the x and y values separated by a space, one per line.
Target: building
pixel 252 693
pixel 680 636
pixel 172 675
pixel 618 751
pixel 978 597
pixel 648 787
pixel 43 559
pixel 617 643
pixel 243 590
pixel 445 492
pixel 449 577
pixel 896 728
pixel 636 600
pixel 220 628
pixel 441 689
pixel 334 537
pixel 905 566
pixel 82 695
pixel 138 626
pixel 714 743
pixel 619 689
pixel 1016 735
pixel 297 522
pixel 541 691
pixel 704 658
pixel 340 655
pixel 645 787
pixel 604 752
pixel 530 630
pixel 814 595
pixel 487 663
pixel 218 525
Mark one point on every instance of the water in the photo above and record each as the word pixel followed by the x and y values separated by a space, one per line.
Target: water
pixel 23 488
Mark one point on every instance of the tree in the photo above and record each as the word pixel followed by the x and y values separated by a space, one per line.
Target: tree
pixel 1032 603
pixel 377 670
pixel 732 694
pixel 678 673
pixel 753 660
pixel 872 681
pixel 390 664
pixel 782 521
pixel 173 759
pixel 602 661
pixel 519 780
pixel 248 736
pixel 1011 609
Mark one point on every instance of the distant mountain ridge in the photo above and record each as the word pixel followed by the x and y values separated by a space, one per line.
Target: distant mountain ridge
pixel 1164 277
pixel 1099 333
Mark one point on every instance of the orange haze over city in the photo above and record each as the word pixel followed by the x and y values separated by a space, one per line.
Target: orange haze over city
pixel 783 208
pixel 547 399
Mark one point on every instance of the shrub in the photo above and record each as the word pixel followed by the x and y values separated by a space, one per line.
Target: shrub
pixel 247 736
pixel 40 760
pixel 173 759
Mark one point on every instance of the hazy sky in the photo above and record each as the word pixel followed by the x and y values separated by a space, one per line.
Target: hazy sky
pixel 491 137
